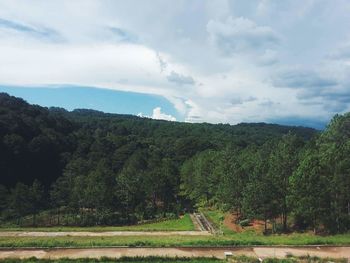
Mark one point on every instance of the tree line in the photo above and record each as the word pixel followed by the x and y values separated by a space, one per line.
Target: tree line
pixel 306 181
pixel 86 167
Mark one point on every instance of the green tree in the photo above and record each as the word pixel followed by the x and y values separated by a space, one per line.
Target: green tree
pixel 259 194
pixel 20 201
pixel 199 181
pixel 334 149
pixel 283 162
pixel 60 195
pixel 310 191
pixel 36 198
pixel 4 195
pixel 232 173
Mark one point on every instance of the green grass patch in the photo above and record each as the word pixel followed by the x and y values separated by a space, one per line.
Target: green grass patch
pixel 216 217
pixel 239 239
pixel 181 224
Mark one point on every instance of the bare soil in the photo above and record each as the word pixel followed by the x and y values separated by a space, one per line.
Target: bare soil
pixel 195 222
pixel 259 252
pixel 257 225
pixel 229 222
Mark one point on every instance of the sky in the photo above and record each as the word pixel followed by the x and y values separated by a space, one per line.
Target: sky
pixel 211 61
pixel 111 101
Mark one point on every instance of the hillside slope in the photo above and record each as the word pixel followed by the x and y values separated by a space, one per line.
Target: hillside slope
pixel 37 142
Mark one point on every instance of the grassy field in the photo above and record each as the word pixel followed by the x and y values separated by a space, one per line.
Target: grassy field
pixel 229 238
pixel 239 239
pixel 240 259
pixel 182 224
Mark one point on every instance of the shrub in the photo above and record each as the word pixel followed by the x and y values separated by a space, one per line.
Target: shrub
pixel 245 222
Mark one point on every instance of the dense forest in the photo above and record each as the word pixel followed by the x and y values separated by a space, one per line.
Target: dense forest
pixel 91 168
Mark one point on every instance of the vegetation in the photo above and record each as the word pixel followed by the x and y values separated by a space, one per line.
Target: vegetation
pixel 88 168
pixel 306 180
pixel 248 238
pixel 179 224
pixel 216 218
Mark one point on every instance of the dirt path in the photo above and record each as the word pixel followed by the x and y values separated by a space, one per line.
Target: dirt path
pixel 259 252
pixel 229 222
pixel 202 222
pixel 322 252
pixel 195 222
pixel 103 234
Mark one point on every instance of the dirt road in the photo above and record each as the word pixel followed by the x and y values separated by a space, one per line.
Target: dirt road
pixel 259 252
pixel 103 234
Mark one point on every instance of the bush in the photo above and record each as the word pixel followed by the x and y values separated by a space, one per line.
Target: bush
pixel 245 222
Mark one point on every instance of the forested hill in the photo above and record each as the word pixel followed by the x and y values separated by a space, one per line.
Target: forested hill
pixel 106 169
pixel 39 143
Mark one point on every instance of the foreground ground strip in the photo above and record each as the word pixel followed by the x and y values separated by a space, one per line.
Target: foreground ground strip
pixel 258 252
pixel 202 234
pixel 199 231
pixel 201 225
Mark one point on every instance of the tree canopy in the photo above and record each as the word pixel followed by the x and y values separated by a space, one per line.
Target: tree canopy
pixel 97 168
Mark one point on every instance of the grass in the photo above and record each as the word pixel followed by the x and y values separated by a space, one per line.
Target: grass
pixel 181 224
pixel 239 239
pixel 306 259
pixel 230 238
pixel 216 218
pixel 251 237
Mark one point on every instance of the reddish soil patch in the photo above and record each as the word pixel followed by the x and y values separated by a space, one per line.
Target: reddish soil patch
pixel 256 225
pixel 230 223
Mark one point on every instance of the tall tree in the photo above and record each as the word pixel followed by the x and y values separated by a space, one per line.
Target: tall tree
pixel 334 148
pixel 37 202
pixel 283 162
pixel 20 201
pixel 259 195
pixel 4 195
pixel 310 191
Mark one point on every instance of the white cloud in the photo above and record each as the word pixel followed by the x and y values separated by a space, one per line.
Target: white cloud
pixel 240 34
pixel 184 53
pixel 268 58
pixel 341 53
pixel 180 79
pixel 157 114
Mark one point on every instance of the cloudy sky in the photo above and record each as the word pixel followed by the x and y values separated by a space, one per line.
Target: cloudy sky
pixel 215 61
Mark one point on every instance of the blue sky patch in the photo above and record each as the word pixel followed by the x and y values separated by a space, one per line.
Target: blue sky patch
pixel 72 97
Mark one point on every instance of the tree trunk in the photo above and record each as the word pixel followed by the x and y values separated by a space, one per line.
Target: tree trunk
pixel 58 217
pixel 315 225
pixel 337 214
pixel 265 224
pixel 67 217
pixel 284 214
pixel 284 221
pixel 34 219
